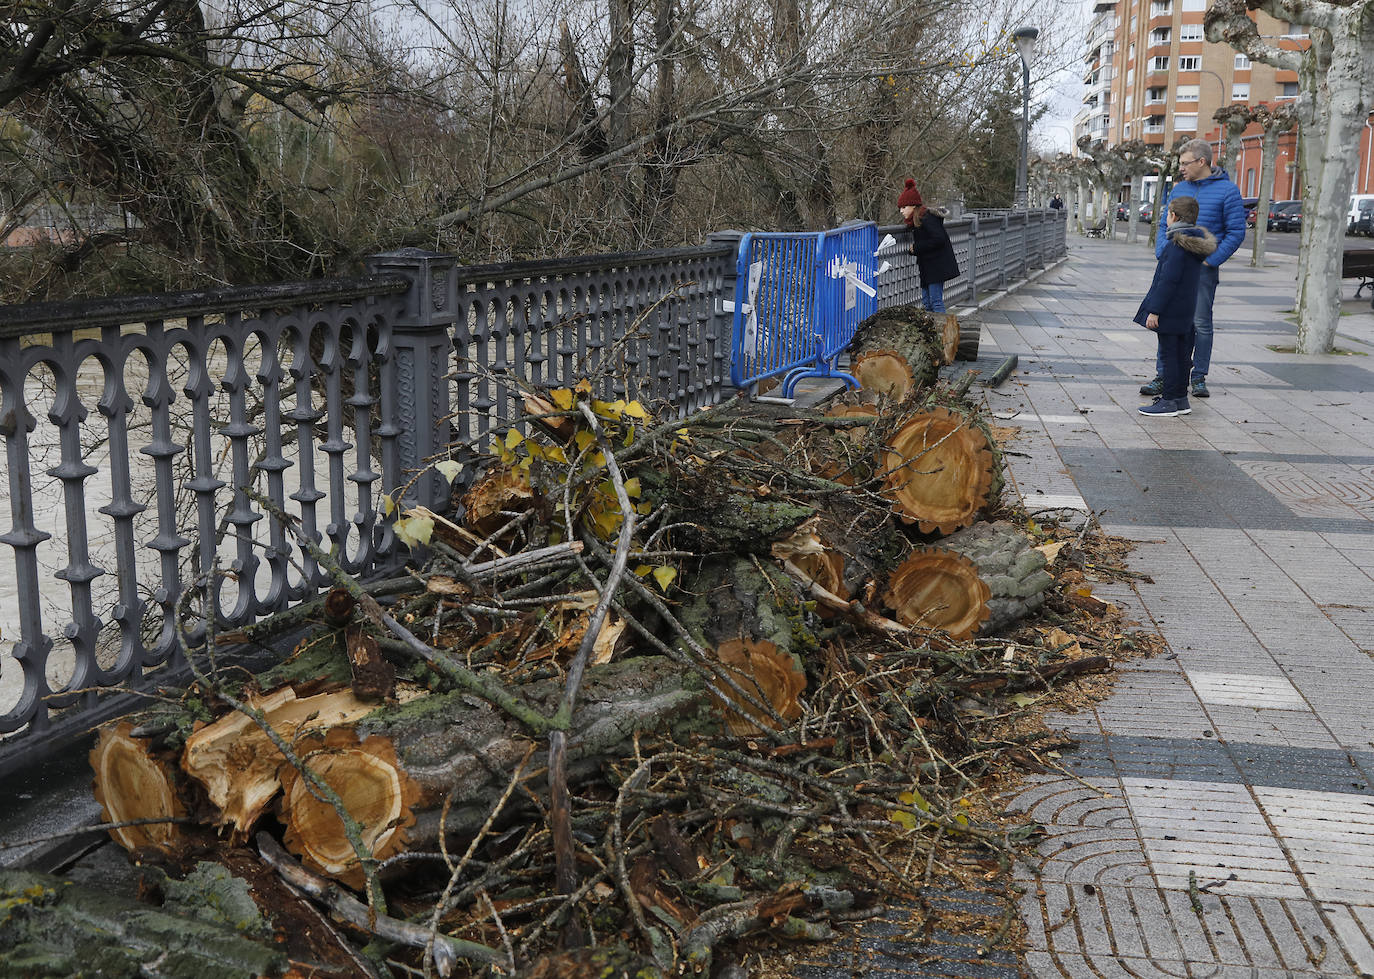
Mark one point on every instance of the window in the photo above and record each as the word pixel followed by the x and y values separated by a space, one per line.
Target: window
pixel 1186 123
pixel 1290 90
pixel 1190 32
pixel 1186 93
pixel 1160 35
pixel 1250 182
pixel 1192 5
pixel 1160 63
pixel 1240 92
pixel 1130 78
pixel 1160 8
pixel 1157 94
pixel 1242 63
pixel 1189 62
pixel 1294 29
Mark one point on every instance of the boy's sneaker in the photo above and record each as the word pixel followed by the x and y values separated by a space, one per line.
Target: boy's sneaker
pixel 1199 389
pixel 1154 389
pixel 1165 408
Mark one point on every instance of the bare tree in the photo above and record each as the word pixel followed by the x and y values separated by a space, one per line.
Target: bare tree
pixel 1335 75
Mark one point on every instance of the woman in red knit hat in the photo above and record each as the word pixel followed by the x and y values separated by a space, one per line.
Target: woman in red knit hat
pixel 931 245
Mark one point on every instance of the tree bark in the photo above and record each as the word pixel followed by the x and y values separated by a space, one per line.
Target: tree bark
pixel 1010 566
pixel 52 927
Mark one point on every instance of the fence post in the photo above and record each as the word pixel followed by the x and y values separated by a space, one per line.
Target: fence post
pixel 417 417
pixel 973 260
pixel 724 321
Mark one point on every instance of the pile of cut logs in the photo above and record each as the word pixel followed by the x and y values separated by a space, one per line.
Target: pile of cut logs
pixel 642 663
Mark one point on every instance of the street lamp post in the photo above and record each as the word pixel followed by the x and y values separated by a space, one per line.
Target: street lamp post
pixel 1025 47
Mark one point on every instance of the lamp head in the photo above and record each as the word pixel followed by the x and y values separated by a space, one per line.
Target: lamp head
pixel 1025 42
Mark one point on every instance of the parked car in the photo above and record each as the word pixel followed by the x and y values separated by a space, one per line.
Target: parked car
pixel 1144 215
pixel 1275 209
pixel 1364 220
pixel 1290 218
pixel 1147 212
pixel 1251 204
pixel 1358 203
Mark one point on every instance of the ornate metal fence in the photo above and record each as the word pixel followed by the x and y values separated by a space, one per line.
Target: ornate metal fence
pixel 133 429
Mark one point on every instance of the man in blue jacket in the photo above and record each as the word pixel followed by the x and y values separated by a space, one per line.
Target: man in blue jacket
pixel 1221 212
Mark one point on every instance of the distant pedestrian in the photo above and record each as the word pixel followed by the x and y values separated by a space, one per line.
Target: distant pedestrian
pixel 931 245
pixel 1056 203
pixel 1170 306
pixel 1220 211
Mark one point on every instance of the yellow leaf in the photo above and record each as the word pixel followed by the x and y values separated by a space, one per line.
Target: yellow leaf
pixel 513 438
pixel 629 437
pixel 583 439
pixel 643 569
pixel 583 386
pixel 414 530
pixel 562 398
pixel 388 505
pixel 914 798
pixel 632 487
pixel 903 819
pixel 535 450
pixel 636 410
pixel 644 508
pixel 608 409
pixel 554 453
pixel 664 575
pixel 449 469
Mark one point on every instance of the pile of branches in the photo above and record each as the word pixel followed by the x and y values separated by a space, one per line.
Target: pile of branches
pixel 641 708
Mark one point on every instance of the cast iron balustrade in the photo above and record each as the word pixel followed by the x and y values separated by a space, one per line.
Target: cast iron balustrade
pixel 133 427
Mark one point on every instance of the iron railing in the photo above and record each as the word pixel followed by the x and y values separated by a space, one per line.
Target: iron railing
pixel 135 427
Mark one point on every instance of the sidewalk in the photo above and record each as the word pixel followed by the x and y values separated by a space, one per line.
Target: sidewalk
pixel 1240 764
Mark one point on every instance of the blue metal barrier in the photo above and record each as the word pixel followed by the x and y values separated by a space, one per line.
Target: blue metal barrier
pixel 798 299
pixel 776 301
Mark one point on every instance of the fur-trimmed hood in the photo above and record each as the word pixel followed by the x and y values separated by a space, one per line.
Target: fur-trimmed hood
pixel 1191 238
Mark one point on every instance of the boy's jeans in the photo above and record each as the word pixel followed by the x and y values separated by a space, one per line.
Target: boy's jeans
pixel 933 297
pixel 1202 325
pixel 1173 351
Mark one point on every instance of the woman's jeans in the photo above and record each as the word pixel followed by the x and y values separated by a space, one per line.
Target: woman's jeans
pixel 1202 325
pixel 933 298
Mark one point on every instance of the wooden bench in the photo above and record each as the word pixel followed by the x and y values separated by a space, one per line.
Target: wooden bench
pixel 1358 263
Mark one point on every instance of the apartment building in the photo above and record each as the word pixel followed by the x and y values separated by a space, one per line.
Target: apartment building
pixel 1151 75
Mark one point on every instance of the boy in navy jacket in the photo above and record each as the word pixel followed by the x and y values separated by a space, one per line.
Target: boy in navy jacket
pixel 1169 306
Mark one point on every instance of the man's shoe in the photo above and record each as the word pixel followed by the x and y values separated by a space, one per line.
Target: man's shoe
pixel 1163 408
pixel 1154 389
pixel 1184 408
pixel 1199 389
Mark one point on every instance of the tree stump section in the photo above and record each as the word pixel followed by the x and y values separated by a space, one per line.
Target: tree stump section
pixel 1009 564
pixel 238 764
pixel 938 470
pixel 374 789
pixel 883 372
pixel 132 783
pixel 908 332
pixel 939 589
pixel 763 670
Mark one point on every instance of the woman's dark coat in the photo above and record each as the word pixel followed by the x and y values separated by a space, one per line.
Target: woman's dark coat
pixel 934 254
pixel 1173 292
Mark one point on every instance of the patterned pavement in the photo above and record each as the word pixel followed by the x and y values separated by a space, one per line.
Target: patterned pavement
pixel 1219 817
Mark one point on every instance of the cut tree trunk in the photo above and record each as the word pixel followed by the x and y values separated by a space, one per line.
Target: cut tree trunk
pixel 761 669
pixel 970 334
pixel 1009 564
pixel 883 372
pixel 131 783
pixel 454 755
pixel 374 789
pixel 939 470
pixel 907 331
pixel 939 589
pixel 238 764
